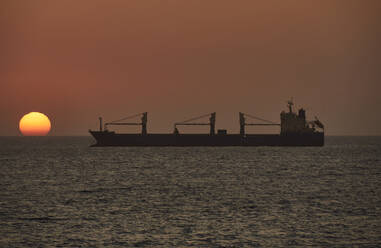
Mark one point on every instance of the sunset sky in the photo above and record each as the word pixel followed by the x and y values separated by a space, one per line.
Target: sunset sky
pixel 77 60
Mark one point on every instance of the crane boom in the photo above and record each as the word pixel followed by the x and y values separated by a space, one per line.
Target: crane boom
pixel 211 123
pixel 242 122
pixel 143 122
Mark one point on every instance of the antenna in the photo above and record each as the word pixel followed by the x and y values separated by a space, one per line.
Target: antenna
pixel 290 103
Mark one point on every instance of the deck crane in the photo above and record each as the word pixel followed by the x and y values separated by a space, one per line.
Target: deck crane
pixel 242 122
pixel 211 123
pixel 143 122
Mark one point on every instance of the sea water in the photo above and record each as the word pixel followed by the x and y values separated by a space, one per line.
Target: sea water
pixel 59 192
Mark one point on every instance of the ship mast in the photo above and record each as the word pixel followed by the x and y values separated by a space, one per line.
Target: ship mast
pixel 290 104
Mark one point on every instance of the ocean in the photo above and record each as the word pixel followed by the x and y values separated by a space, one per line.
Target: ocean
pixel 59 192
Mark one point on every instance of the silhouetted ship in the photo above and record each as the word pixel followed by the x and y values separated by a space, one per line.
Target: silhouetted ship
pixel 295 130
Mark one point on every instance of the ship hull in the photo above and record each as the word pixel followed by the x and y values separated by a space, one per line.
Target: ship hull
pixel 113 139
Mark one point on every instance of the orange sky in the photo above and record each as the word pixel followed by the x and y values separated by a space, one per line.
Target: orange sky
pixel 77 60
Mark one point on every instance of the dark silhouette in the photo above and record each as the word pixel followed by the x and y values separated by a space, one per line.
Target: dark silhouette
pixel 295 131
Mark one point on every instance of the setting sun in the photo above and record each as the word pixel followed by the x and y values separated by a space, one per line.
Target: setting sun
pixel 34 124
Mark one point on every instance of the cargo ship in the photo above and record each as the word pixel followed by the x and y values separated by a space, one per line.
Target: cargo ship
pixel 295 130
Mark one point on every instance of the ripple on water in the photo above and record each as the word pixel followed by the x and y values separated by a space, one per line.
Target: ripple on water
pixel 60 192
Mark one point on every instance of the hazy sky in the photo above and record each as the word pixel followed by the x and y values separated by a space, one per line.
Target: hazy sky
pixel 77 60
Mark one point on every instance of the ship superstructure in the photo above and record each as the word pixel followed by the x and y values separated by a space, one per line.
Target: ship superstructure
pixel 297 123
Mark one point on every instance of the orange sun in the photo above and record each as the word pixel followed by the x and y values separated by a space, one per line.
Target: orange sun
pixel 34 124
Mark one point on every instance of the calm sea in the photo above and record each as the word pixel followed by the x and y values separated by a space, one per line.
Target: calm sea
pixel 59 192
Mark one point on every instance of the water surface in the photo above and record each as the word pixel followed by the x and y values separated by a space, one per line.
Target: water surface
pixel 57 191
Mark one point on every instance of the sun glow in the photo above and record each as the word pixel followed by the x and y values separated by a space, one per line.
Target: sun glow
pixel 34 124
